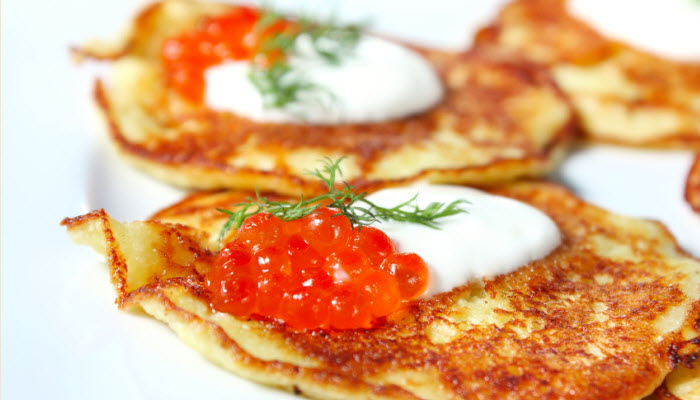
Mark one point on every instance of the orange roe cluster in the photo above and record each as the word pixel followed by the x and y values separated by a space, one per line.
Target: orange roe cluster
pixel 314 272
pixel 232 36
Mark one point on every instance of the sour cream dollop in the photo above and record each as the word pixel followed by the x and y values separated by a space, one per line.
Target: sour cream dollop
pixel 668 28
pixel 378 81
pixel 497 235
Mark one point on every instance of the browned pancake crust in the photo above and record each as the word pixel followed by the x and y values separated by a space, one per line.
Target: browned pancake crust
pixel 662 393
pixel 575 325
pixel 683 383
pixel 692 185
pixel 481 92
pixel 549 34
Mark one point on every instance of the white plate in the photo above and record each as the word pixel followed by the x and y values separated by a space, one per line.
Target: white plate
pixel 62 336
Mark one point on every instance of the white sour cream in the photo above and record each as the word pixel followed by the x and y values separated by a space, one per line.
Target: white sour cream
pixel 380 80
pixel 498 235
pixel 669 28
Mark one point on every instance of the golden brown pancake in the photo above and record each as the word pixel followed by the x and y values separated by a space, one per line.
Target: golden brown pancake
pixel 621 94
pixel 692 185
pixel 500 120
pixel 606 316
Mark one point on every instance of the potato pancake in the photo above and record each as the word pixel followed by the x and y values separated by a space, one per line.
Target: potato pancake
pixel 606 315
pixel 621 94
pixel 498 121
pixel 692 185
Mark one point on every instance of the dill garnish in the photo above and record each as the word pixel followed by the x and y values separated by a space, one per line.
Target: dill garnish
pixel 347 200
pixel 331 40
pixel 278 82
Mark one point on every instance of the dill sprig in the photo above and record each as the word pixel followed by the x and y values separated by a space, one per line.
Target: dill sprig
pixel 331 40
pixel 278 82
pixel 347 200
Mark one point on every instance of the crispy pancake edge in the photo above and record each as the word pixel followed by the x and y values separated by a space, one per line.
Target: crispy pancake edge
pixel 665 354
pixel 692 185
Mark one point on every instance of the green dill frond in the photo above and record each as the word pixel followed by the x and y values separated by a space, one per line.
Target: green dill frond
pixel 349 202
pixel 279 83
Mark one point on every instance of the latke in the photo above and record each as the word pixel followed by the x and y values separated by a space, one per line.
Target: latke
pixel 499 120
pixel 605 316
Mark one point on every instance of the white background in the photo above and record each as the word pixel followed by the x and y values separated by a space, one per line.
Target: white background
pixel 62 335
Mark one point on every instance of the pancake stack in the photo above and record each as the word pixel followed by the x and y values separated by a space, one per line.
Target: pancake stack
pixel 593 320
pixel 607 315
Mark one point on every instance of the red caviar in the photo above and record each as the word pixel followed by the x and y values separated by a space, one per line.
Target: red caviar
pixel 232 36
pixel 315 272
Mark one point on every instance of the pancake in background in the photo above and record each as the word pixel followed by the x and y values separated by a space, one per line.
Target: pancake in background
pixel 621 94
pixel 499 121
pixel 605 316
pixel 692 185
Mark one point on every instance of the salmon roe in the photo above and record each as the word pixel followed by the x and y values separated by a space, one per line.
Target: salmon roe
pixel 232 36
pixel 315 272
